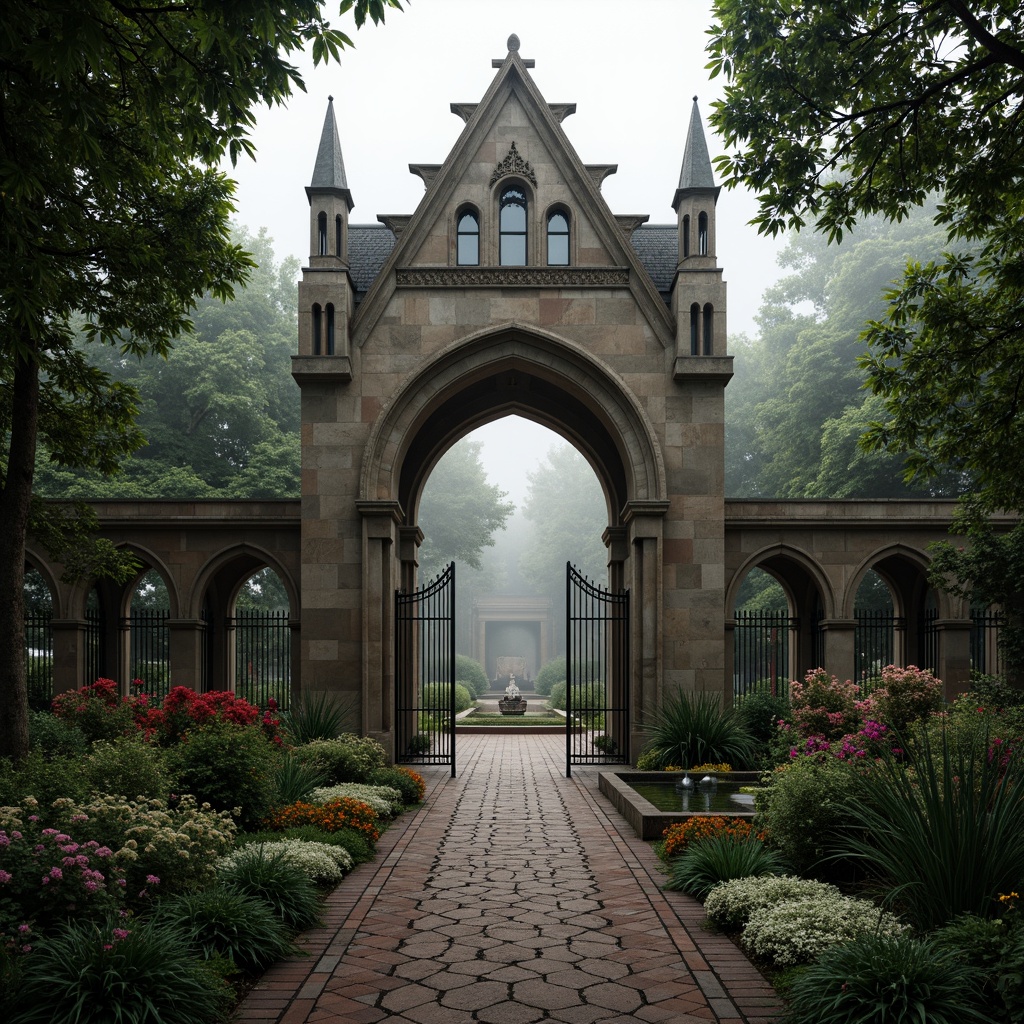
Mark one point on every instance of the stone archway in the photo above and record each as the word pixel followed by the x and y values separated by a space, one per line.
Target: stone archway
pixel 540 376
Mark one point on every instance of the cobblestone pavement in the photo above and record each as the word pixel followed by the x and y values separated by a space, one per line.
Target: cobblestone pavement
pixel 513 895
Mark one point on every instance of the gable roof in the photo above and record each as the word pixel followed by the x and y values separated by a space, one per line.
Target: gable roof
pixel 513 79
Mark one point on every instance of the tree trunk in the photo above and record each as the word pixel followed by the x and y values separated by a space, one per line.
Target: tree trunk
pixel 15 501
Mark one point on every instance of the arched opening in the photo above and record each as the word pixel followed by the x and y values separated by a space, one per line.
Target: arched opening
pixel 512 220
pixel 702 234
pixel 763 636
pixel 694 330
pixel 148 634
pixel 709 329
pixel 321 234
pixel 686 236
pixel 38 639
pixel 318 329
pixel 330 328
pixel 338 240
pixel 875 638
pixel 558 239
pixel 467 238
pixel 482 378
pixel 261 625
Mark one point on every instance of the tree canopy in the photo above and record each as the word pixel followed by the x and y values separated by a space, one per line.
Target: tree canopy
pixel 113 219
pixel 460 511
pixel 836 111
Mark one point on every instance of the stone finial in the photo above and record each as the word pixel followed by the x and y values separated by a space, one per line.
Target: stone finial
pixel 513 43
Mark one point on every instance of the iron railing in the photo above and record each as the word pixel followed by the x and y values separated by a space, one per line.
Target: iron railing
pixel 985 654
pixel 149 649
pixel 761 648
pixel 875 645
pixel 263 656
pixel 597 673
pixel 39 659
pixel 425 673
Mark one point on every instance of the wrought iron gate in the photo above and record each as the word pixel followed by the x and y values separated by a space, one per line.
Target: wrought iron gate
pixel 596 673
pixel 425 673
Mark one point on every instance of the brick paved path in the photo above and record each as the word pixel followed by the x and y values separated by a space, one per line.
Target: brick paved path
pixel 514 895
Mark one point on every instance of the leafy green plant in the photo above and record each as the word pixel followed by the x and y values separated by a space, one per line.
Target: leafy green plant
pixel 322 863
pixel 435 697
pixel 127 766
pixel 805 809
pixel 471 674
pixel 228 923
pixel 693 728
pixel 55 736
pixel 942 831
pixel 704 864
pixel 553 672
pixel 346 758
pixel 268 875
pixel 138 974
pixel 317 716
pixel 730 904
pixel 877 977
pixel 407 782
pixel 760 713
pixel 45 778
pixel 295 779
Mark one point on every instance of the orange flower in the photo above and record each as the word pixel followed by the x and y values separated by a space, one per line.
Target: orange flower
pixel 704 826
pixel 331 816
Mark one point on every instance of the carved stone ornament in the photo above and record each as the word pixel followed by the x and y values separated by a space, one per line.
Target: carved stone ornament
pixel 513 277
pixel 514 164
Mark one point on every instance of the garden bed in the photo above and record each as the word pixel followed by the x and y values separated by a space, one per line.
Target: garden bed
pixel 646 820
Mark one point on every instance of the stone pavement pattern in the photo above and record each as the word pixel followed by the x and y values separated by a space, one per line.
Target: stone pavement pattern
pixel 513 895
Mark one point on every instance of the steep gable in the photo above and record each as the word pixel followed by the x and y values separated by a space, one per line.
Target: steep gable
pixel 513 134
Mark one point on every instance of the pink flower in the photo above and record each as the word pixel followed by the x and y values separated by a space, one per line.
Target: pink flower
pixel 5 877
pixel 120 934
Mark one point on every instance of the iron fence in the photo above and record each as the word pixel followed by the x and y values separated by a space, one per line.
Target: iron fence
pixel 149 649
pixel 928 640
pixel 985 654
pixel 874 644
pixel 263 656
pixel 39 659
pixel 761 646
pixel 92 663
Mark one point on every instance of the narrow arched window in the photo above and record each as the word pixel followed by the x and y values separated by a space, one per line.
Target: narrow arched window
pixel 702 234
pixel 321 233
pixel 337 235
pixel 318 327
pixel 695 330
pixel 686 236
pixel 467 240
pixel 558 239
pixel 330 328
pixel 709 329
pixel 512 228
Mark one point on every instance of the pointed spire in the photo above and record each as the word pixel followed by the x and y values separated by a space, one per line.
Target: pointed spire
pixel 696 170
pixel 329 171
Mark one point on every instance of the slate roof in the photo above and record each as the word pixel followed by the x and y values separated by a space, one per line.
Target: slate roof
pixel 657 245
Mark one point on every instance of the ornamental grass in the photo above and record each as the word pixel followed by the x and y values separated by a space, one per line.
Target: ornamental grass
pixel 330 817
pixel 703 826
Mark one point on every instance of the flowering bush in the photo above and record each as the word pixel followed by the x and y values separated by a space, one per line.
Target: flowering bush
pixel 414 788
pixel 154 844
pixel 703 826
pixel 323 863
pixel 331 816
pixel 906 695
pixel 711 767
pixel 796 931
pixel 184 710
pixel 47 878
pixel 385 801
pixel 100 711
pixel 730 904
pixel 823 706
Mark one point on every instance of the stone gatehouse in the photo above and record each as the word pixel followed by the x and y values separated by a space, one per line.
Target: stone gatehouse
pixel 514 289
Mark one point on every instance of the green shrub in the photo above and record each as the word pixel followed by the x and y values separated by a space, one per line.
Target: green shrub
pixel 268 875
pixel 139 974
pixel 356 844
pixel 942 831
pixel 472 675
pixel 99 710
pixel 557 695
pixel 227 767
pixel 127 766
pixel 693 728
pixel 760 712
pixel 729 904
pixel 295 779
pixel 222 922
pixel 805 810
pixel 887 978
pixel 649 760
pixel 995 948
pixel 55 737
pixel 45 778
pixel 317 716
pixel 553 672
pixel 348 758
pixel 798 931
pixel 403 781
pixel 704 864
pixel 435 697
